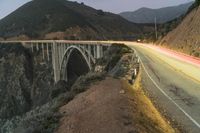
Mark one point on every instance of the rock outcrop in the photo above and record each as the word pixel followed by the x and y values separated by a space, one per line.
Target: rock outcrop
pixel 24 84
pixel 186 37
pixel 16 78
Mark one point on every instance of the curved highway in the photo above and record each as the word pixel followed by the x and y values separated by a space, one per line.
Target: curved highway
pixel 172 79
pixel 174 83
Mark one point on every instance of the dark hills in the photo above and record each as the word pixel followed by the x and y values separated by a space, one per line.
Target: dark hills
pixel 163 15
pixel 61 19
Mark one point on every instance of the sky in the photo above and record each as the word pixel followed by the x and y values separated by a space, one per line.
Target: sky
pixel 115 6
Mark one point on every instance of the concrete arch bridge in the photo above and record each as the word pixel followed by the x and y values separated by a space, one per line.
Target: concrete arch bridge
pixel 63 54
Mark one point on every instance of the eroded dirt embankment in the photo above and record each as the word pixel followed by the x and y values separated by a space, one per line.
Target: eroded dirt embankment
pixel 112 106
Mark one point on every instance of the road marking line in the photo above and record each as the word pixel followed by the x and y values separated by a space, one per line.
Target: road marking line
pixel 192 119
pixel 179 70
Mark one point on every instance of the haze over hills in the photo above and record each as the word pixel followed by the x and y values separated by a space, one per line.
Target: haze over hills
pixel 147 15
pixel 61 19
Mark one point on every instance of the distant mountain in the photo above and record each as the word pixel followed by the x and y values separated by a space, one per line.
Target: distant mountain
pixel 147 15
pixel 61 19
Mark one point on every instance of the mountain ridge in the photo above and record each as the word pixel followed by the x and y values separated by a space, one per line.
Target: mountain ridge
pixel 147 15
pixel 60 19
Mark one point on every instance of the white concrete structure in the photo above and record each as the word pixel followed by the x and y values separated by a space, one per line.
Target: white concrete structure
pixel 59 51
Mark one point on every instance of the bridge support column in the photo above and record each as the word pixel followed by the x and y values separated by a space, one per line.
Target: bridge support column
pixel 95 51
pixel 32 47
pixel 43 56
pixel 101 51
pixel 47 51
pixel 37 46
pixel 56 63
pixel 99 54
pixel 63 49
pixel 59 53
pixel 89 52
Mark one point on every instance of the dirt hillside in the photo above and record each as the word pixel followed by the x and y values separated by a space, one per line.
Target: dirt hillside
pixel 186 37
pixel 112 106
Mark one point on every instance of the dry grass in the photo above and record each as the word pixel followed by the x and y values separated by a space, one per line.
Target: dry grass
pixel 146 117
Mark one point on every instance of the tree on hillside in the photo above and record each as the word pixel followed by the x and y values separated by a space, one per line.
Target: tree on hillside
pixel 193 6
pixel 197 2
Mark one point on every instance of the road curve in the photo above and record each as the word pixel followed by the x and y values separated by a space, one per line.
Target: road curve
pixel 173 82
pixel 172 79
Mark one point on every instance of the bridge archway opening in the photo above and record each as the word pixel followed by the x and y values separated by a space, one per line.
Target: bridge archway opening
pixel 74 65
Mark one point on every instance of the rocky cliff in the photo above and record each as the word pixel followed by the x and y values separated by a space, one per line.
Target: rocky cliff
pixel 27 89
pixel 24 84
pixel 16 78
pixel 186 37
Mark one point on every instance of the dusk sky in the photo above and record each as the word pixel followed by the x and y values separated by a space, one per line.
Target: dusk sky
pixel 115 6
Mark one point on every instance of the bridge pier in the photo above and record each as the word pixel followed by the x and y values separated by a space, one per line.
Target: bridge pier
pixel 32 50
pixel 43 56
pixel 89 52
pixel 37 46
pixel 59 53
pixel 95 51
pixel 47 51
pixel 56 63
pixel 98 51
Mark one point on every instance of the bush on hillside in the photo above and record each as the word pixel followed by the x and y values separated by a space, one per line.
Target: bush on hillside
pixel 100 12
pixel 83 82
pixel 196 4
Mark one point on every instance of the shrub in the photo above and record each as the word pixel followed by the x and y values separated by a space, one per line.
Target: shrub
pixel 197 2
pixel 197 54
pixel 59 88
pixel 193 6
pixel 100 12
pixel 114 54
pixel 83 82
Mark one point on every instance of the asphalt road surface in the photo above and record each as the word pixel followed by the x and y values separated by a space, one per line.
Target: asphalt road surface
pixel 174 81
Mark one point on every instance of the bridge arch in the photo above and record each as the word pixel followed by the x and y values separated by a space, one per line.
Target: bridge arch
pixel 84 52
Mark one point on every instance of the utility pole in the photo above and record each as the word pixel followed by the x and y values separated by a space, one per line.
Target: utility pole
pixel 156 33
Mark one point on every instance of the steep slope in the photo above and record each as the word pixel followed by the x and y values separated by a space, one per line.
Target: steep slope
pixel 24 83
pixel 185 37
pixel 61 19
pixel 147 15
